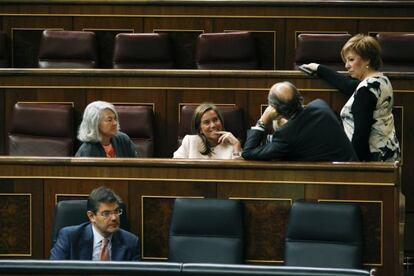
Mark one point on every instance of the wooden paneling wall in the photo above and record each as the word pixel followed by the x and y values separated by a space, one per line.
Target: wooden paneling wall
pixel 30 187
pixel 275 24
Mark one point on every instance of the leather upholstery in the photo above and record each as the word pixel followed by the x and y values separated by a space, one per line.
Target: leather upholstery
pixel 233 121
pixel 73 212
pixel 41 129
pixel 206 231
pixel 137 121
pixel 397 51
pixel 143 50
pixel 4 51
pixel 321 48
pixel 226 51
pixel 68 49
pixel 324 235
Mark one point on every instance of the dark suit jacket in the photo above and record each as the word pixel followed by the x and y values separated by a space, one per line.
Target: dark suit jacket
pixel 76 243
pixel 314 134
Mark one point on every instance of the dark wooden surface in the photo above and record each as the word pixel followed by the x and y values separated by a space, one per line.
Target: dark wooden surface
pixel 275 24
pixel 149 186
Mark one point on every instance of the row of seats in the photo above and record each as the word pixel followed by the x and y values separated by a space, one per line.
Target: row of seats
pixel 72 49
pixel 41 267
pixel 47 129
pixel 236 50
pixel 211 231
pixel 397 54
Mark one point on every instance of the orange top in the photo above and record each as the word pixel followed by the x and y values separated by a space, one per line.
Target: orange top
pixel 109 150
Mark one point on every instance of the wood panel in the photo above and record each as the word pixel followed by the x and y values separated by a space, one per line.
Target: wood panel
pixel 185 20
pixel 267 190
pixel 22 218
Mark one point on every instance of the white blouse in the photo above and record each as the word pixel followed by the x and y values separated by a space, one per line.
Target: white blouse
pixel 192 145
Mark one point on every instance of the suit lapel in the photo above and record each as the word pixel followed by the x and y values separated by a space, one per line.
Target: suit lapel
pixel 86 244
pixel 118 249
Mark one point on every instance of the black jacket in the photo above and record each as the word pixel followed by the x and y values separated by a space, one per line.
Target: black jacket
pixel 122 144
pixel 314 134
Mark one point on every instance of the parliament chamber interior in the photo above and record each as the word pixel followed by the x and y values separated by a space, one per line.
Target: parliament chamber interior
pixel 156 61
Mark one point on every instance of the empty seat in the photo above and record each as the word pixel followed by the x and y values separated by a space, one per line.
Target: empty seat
pixel 73 212
pixel 321 48
pixel 143 50
pixel 4 51
pixel 232 115
pixel 226 51
pixel 397 51
pixel 324 235
pixel 41 129
pixel 206 231
pixel 137 121
pixel 68 49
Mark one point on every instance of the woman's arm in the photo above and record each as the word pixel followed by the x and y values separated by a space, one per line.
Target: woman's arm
pixel 344 84
pixel 363 108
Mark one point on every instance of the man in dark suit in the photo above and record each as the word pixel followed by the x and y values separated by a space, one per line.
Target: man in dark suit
pixel 100 238
pixel 310 133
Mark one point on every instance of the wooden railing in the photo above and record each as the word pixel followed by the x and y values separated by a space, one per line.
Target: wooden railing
pixel 31 186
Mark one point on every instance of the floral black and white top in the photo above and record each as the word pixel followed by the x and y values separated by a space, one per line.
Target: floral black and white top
pixel 367 116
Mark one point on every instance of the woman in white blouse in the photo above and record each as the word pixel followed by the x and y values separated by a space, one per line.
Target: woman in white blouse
pixel 209 140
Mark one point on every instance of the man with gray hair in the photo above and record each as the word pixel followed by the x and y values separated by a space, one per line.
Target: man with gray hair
pixel 310 133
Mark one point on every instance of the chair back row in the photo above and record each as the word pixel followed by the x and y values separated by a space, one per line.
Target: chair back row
pixel 234 50
pixel 397 54
pixel 212 231
pixel 74 49
pixel 47 129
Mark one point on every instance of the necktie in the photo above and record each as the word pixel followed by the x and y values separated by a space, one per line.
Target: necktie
pixel 104 250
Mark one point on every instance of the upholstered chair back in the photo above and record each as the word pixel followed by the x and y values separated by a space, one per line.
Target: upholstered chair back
pixel 68 49
pixel 235 51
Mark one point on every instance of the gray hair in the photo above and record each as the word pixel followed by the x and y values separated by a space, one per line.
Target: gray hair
pixel 92 116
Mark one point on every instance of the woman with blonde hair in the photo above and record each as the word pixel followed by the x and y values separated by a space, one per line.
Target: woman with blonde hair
pixel 367 116
pixel 209 140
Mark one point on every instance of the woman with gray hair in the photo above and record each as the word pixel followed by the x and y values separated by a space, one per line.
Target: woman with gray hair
pixel 99 132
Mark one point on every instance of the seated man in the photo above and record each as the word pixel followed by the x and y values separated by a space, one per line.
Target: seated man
pixel 310 133
pixel 100 238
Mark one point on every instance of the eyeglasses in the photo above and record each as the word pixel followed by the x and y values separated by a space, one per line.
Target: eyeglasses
pixel 108 214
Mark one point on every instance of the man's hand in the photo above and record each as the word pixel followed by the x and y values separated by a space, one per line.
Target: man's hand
pixel 269 115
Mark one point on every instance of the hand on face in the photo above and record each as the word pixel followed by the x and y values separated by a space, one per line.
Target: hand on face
pixel 227 138
pixel 269 115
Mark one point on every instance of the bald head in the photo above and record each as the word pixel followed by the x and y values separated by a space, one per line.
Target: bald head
pixel 284 91
pixel 285 98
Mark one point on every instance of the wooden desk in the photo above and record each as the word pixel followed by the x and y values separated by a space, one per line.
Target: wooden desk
pixel 30 187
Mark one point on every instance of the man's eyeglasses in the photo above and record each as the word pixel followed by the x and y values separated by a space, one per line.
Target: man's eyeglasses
pixel 108 214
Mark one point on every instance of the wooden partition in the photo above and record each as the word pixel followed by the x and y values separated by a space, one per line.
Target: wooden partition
pixel 30 188
pixel 275 24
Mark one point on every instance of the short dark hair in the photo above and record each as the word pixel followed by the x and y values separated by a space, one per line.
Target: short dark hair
pixel 101 195
pixel 196 124
pixel 287 108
